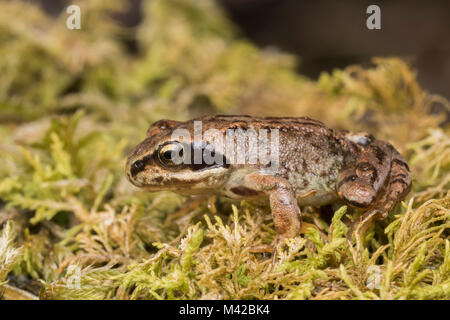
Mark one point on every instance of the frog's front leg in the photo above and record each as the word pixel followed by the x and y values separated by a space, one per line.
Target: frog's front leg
pixel 397 186
pixel 283 203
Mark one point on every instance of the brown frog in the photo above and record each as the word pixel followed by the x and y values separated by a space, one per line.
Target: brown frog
pixel 308 165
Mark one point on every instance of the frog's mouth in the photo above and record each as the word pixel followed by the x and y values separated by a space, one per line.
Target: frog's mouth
pixel 149 174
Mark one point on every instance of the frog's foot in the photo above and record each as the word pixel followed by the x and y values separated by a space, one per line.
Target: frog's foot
pixel 262 248
pixel 270 247
pixel 278 244
pixel 280 240
pixel 189 205
pixel 305 226
pixel 360 225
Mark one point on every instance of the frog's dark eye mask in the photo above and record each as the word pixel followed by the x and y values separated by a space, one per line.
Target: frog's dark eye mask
pixel 139 165
pixel 197 157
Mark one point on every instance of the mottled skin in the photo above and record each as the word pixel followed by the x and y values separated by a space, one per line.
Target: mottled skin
pixel 317 166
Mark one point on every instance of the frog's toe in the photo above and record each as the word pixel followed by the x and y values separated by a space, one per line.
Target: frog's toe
pixel 360 225
pixel 306 226
pixel 278 243
pixel 263 248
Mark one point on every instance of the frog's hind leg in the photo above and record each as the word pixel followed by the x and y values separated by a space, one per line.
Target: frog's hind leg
pixel 360 183
pixel 399 183
pixel 395 189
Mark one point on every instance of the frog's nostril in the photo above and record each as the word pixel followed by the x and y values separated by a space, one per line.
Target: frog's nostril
pixel 136 167
pixel 139 165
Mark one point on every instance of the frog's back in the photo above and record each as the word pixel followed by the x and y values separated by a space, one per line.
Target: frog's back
pixel 310 155
pixel 246 122
pixel 304 143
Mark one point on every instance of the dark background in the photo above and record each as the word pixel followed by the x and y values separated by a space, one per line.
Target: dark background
pixel 328 34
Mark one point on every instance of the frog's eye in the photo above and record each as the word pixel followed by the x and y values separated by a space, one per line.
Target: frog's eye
pixel 170 154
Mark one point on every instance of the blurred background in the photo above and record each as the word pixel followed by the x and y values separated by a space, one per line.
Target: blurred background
pixel 328 34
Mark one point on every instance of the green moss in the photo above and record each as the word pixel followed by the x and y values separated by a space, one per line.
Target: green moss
pixel 68 121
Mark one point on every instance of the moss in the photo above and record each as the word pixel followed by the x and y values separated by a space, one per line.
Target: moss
pixel 8 252
pixel 68 121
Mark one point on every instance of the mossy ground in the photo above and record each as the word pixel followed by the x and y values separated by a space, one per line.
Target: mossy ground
pixel 73 103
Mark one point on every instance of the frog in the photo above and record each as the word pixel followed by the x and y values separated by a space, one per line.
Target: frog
pixel 314 166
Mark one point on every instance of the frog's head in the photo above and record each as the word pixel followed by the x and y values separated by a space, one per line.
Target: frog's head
pixel 166 160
